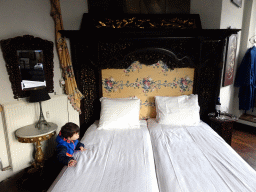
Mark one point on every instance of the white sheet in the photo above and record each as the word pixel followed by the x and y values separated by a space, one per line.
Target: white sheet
pixel 197 159
pixel 115 161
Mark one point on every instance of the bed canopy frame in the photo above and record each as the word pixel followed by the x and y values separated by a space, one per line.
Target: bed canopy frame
pixel 98 46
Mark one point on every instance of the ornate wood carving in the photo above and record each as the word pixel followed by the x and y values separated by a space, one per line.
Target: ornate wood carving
pixel 133 22
pixel 140 21
pixel 27 42
pixel 39 155
pixel 153 55
pixel 209 75
pixel 90 91
pixel 110 53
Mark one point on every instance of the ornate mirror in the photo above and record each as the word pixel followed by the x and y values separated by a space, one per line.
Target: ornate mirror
pixel 29 62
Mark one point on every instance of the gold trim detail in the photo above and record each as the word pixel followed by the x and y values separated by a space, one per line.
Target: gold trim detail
pixel 36 139
pixel 173 23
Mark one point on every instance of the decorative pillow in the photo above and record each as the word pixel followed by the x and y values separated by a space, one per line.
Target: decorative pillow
pixel 120 113
pixel 181 110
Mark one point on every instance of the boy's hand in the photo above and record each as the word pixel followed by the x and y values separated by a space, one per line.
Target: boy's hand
pixel 82 149
pixel 72 163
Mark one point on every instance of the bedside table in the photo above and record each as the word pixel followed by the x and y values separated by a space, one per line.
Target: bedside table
pixel 223 125
pixel 31 134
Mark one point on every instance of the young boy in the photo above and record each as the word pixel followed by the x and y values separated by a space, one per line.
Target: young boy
pixel 67 143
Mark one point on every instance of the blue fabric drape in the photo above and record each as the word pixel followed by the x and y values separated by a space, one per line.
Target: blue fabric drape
pixel 246 80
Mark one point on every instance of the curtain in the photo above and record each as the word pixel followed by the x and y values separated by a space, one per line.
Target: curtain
pixel 74 95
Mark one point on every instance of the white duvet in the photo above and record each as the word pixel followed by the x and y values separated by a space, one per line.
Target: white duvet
pixel 115 161
pixel 196 159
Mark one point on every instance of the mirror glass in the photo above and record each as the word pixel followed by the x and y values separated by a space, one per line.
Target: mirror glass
pixel 31 69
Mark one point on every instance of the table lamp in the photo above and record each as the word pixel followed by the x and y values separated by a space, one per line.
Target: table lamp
pixel 39 95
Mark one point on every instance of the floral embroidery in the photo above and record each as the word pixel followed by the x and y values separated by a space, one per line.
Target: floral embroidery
pixel 73 100
pixel 137 66
pixel 147 84
pixel 166 84
pixel 185 84
pixel 162 65
pixel 110 85
pixel 148 104
pixel 121 84
pixel 137 84
pixel 133 67
pixel 144 81
pixel 69 71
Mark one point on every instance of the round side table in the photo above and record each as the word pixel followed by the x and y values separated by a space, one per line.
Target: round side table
pixel 31 134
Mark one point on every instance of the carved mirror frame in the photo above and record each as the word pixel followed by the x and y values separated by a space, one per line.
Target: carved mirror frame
pixel 27 42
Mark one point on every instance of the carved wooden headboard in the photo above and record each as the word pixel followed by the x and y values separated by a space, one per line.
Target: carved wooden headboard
pixel 94 49
pixel 166 76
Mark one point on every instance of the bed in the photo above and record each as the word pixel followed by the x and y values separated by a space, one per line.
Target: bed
pixel 141 150
pixel 115 160
pixel 146 142
pixel 195 158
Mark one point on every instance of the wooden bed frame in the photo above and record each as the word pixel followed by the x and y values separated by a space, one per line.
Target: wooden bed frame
pixel 94 49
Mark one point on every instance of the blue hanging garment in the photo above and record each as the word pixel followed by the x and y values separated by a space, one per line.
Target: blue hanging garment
pixel 246 80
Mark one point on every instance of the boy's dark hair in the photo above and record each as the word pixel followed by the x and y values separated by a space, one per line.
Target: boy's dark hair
pixel 69 129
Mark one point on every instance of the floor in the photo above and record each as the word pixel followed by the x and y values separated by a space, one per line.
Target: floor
pixel 243 142
pixel 27 181
pixel 22 182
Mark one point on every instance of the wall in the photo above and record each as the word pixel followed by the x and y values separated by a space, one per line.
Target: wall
pixel 21 17
pixel 231 16
pixel 222 14
pixel 139 6
pixel 210 12
pixel 249 24
pixel 21 113
pixel 240 18
pixel 157 6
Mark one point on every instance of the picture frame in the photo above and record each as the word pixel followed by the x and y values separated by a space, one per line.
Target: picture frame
pixel 228 78
pixel 238 3
pixel 26 43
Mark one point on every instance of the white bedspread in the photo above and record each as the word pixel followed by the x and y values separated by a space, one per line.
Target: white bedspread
pixel 115 161
pixel 196 159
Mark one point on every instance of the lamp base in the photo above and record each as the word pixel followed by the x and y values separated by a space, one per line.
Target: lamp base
pixel 41 120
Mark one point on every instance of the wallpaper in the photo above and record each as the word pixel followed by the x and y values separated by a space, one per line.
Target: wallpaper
pixel 145 82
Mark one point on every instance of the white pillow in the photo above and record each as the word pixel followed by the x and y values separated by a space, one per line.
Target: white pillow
pixel 182 110
pixel 119 113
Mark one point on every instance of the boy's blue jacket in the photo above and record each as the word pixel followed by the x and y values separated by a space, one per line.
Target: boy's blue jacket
pixel 66 148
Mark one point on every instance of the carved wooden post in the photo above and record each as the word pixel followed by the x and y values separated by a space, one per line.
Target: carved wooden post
pixel 39 157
